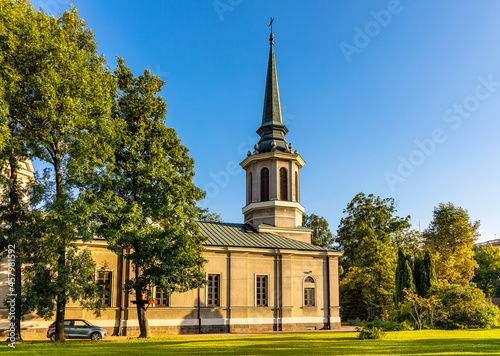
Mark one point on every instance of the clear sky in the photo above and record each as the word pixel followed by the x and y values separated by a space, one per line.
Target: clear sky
pixel 396 98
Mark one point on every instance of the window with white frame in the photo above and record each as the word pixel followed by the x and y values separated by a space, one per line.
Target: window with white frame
pixel 104 283
pixel 161 297
pixel 261 290
pixel 213 290
pixel 309 292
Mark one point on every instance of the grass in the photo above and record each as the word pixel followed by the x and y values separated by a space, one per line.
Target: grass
pixel 425 342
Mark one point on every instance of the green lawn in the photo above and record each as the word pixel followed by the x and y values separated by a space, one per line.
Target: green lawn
pixel 427 342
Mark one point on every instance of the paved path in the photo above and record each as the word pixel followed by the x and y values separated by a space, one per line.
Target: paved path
pixel 343 329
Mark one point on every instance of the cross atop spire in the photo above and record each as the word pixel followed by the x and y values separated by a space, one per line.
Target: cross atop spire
pixel 271 36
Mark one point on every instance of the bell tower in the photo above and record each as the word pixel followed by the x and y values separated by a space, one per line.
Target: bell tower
pixel 273 171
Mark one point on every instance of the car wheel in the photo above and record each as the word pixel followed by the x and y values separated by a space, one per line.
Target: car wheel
pixel 53 337
pixel 95 336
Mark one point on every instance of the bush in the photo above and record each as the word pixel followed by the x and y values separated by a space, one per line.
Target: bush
pixel 371 333
pixel 465 307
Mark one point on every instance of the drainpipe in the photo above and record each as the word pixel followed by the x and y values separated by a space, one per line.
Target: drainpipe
pixel 120 290
pixel 125 294
pixel 228 292
pixel 199 312
pixel 329 326
pixel 280 310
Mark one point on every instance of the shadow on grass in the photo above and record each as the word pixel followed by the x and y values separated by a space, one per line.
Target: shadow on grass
pixel 326 344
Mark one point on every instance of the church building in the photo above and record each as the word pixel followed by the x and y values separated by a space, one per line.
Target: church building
pixel 263 274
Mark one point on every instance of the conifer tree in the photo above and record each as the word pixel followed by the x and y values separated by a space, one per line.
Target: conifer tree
pixel 404 276
pixel 424 273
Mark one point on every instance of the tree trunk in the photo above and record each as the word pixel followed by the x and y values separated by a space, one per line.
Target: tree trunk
pixel 61 262
pixel 141 310
pixel 384 310
pixel 61 308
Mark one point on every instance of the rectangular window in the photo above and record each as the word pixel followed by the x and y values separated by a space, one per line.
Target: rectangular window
pixel 213 290
pixel 162 298
pixel 309 297
pixel 261 291
pixel 104 282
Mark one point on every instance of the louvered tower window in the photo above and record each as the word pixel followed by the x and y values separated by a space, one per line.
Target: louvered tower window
pixel 264 184
pixel 283 184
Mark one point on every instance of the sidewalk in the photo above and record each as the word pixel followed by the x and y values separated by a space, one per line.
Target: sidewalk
pixel 343 329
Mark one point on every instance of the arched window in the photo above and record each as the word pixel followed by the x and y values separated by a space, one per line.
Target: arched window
pixel 250 188
pixel 283 184
pixel 309 292
pixel 264 184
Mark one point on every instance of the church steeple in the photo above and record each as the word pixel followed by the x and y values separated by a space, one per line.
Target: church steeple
pixel 272 131
pixel 273 171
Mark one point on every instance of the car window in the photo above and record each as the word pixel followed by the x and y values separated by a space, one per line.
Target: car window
pixel 68 322
pixel 80 323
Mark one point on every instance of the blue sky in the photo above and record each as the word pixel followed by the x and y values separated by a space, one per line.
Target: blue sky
pixel 396 98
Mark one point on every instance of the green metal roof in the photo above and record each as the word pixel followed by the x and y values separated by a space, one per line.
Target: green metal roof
pixel 242 235
pixel 272 128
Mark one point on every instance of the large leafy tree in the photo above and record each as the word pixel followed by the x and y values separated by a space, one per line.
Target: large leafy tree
pixel 451 237
pixel 321 234
pixel 368 236
pixel 14 187
pixel 57 91
pixel 145 199
pixel 487 275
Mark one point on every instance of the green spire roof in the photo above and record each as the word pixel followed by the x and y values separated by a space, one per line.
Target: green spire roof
pixel 272 128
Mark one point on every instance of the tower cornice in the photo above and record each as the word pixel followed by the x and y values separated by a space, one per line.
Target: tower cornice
pixel 276 155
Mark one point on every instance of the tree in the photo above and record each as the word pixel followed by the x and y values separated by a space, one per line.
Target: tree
pixel 420 308
pixel 206 215
pixel 57 91
pixel 404 276
pixel 353 296
pixel 410 240
pixel 424 273
pixel 367 236
pixel 321 234
pixel 488 272
pixel 451 236
pixel 465 306
pixel 4 127
pixel 145 200
pixel 15 213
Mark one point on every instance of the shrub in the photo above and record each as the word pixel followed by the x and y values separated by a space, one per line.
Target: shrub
pixel 371 333
pixel 465 307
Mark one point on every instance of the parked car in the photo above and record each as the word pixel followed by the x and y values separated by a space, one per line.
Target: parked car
pixel 78 329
